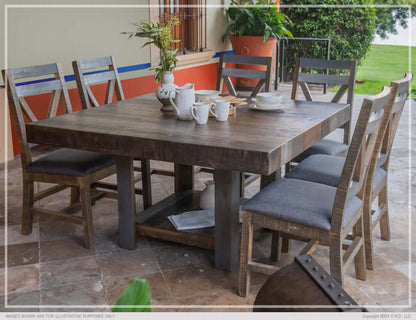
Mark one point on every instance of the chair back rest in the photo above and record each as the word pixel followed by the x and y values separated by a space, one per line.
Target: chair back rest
pixel 224 73
pixel 371 123
pixel 316 71
pixel 85 79
pixel 402 88
pixel 17 92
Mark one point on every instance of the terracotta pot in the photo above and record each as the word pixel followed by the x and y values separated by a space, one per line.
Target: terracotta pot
pixel 251 46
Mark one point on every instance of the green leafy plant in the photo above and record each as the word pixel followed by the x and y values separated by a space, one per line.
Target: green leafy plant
pixel 260 19
pixel 160 35
pixel 137 294
pixel 350 28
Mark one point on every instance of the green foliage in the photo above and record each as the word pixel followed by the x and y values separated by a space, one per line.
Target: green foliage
pixel 261 19
pixel 350 29
pixel 161 36
pixel 387 17
pixel 382 65
pixel 136 294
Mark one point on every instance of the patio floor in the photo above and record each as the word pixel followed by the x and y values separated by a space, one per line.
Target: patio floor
pixel 51 268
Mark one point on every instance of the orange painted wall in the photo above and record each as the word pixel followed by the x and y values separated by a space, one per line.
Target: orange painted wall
pixel 204 77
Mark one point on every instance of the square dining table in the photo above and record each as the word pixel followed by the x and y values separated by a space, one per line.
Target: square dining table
pixel 258 142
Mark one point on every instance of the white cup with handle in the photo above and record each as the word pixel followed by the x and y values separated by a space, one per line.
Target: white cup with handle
pixel 200 112
pixel 222 109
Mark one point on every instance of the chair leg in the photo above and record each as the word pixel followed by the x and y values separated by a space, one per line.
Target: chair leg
pixel 384 221
pixel 146 184
pixel 368 235
pixel 359 259
pixel 287 167
pixel 335 259
pixel 285 244
pixel 245 255
pixel 242 179
pixel 74 195
pixel 86 210
pixel 275 250
pixel 27 217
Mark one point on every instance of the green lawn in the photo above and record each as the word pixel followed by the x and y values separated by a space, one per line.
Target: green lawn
pixel 382 65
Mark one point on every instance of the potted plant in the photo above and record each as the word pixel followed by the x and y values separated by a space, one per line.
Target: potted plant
pixel 254 29
pixel 160 35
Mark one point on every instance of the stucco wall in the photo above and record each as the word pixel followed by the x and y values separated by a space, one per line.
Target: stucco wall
pixel 45 35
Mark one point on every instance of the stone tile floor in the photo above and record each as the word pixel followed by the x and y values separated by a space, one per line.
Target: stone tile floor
pixel 50 270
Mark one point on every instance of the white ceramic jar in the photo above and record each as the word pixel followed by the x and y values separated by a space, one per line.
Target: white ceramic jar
pixel 207 199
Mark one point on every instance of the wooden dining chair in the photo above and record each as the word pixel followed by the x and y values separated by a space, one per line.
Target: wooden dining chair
pixel 327 169
pixel 87 74
pixel 66 167
pixel 324 214
pixel 315 72
pixel 225 72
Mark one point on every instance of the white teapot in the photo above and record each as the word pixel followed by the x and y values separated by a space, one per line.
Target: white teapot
pixel 184 100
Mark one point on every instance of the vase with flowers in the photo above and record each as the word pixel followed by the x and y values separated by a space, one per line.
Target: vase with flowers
pixel 160 35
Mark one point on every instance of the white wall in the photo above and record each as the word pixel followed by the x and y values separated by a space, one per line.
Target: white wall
pixel 45 35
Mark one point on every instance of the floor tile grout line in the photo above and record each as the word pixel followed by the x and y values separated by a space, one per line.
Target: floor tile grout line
pixel 69 284
pixel 68 259
pixel 102 282
pixel 163 274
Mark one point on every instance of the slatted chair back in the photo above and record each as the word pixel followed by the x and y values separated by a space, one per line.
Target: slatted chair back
pixel 315 71
pixel 373 111
pixel 17 92
pixel 86 78
pixel 402 88
pixel 224 73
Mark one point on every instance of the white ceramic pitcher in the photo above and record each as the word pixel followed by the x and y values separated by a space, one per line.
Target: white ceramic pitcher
pixel 184 100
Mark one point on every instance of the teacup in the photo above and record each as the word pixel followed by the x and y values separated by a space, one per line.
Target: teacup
pixel 204 95
pixel 200 112
pixel 268 98
pixel 222 109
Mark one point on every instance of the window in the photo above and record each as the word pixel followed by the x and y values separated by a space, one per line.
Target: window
pixel 192 29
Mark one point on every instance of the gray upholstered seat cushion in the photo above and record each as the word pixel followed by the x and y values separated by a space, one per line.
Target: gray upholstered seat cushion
pixel 325 146
pixel 319 168
pixel 326 169
pixel 303 202
pixel 72 162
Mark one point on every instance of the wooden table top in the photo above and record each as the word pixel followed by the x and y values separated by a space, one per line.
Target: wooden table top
pixel 251 141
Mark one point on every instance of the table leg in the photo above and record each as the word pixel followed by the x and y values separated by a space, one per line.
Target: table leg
pixel 126 202
pixel 184 177
pixel 227 202
pixel 146 184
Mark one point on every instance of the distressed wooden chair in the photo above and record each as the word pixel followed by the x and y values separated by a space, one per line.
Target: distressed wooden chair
pixel 327 169
pixel 225 72
pixel 305 74
pixel 66 167
pixel 85 77
pixel 324 214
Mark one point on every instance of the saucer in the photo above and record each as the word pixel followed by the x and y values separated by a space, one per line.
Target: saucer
pixel 272 107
